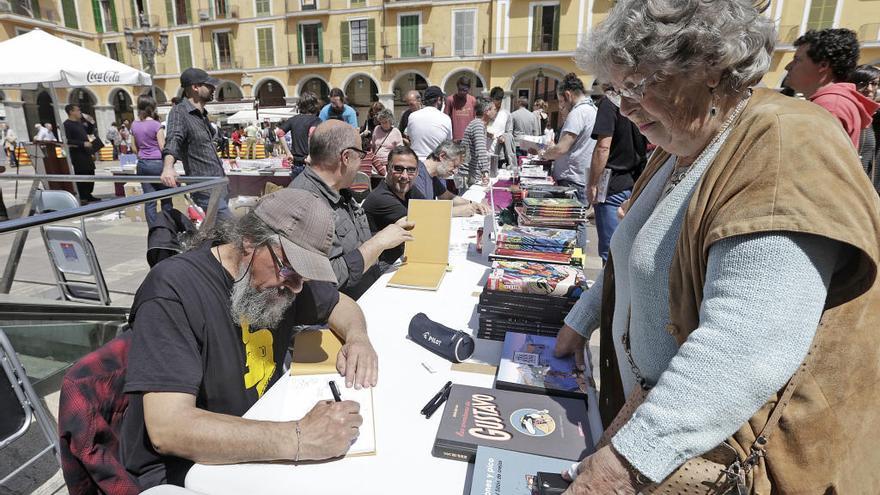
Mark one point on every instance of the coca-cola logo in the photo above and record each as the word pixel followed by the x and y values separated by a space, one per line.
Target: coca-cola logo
pixel 110 76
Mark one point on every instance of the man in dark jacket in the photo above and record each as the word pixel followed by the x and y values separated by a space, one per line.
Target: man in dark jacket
pixel 80 151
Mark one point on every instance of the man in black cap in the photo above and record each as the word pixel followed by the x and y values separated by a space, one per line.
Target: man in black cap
pixel 190 138
pixel 429 127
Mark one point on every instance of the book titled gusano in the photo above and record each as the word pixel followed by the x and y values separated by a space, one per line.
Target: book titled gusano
pixel 534 424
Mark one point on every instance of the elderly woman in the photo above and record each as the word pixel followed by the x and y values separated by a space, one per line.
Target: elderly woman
pixel 475 139
pixel 386 137
pixel 734 248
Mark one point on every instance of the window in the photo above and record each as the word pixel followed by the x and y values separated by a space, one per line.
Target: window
pixel 184 52
pixel 105 15
pixel 359 40
pixel 114 51
pixel 463 32
pixel 409 34
pixel 311 43
pixel 222 50
pixel 181 11
pixel 545 28
pixel 821 15
pixel 358 3
pixel 265 47
pixel 308 4
pixel 263 7
pixel 68 8
pixel 221 9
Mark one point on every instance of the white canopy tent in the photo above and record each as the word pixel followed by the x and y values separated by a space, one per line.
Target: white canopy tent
pixel 38 57
pixel 270 114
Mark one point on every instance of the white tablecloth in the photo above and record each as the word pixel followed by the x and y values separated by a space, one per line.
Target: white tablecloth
pixel 403 463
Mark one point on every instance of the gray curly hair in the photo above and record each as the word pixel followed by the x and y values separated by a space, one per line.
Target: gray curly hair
pixel 683 36
pixel 385 114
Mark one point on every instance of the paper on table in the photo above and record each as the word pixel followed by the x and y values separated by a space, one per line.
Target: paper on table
pixel 305 391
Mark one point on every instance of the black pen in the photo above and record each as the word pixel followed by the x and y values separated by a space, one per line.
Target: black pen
pixel 336 396
pixel 437 404
pixel 437 397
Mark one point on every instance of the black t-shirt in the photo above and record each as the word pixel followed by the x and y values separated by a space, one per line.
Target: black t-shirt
pixel 627 155
pixel 298 126
pixel 404 120
pixel 383 208
pixel 185 341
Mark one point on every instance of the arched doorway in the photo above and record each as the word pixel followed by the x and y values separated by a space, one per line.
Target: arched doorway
pixel 270 93
pixel 46 109
pixel 84 99
pixel 450 87
pixel 228 91
pixel 360 92
pixel 403 85
pixel 318 86
pixel 540 83
pixel 122 105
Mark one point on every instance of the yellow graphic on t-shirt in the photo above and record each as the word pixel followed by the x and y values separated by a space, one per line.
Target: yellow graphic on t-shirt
pixel 260 358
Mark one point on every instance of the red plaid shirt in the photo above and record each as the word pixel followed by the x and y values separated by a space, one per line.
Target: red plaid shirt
pixel 91 409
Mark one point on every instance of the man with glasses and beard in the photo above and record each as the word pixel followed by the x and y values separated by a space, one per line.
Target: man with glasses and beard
pixel 441 164
pixel 210 331
pixel 335 160
pixel 190 138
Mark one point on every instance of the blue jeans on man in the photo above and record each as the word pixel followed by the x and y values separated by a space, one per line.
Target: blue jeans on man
pixel 202 198
pixel 607 221
pixel 152 167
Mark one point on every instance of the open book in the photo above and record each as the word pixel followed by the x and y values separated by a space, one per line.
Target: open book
pixel 314 365
pixel 428 255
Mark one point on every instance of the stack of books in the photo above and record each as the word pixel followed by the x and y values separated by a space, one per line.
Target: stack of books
pixel 535 244
pixel 527 297
pixel 551 212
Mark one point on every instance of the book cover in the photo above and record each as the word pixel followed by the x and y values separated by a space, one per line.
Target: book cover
pixel 427 255
pixel 535 278
pixel 314 352
pixel 504 472
pixel 533 424
pixel 535 236
pixel 502 253
pixel 553 202
pixel 528 365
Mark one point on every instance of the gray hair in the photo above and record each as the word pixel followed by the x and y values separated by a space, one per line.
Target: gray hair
pixel 482 106
pixel 452 150
pixel 385 114
pixel 683 36
pixel 248 229
pixel 328 141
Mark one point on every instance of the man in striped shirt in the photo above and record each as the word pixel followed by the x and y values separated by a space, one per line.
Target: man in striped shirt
pixel 474 139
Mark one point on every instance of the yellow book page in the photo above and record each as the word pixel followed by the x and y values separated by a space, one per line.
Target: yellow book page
pixel 314 352
pixel 433 221
pixel 418 276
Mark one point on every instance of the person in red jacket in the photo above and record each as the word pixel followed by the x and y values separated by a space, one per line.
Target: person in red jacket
pixel 821 65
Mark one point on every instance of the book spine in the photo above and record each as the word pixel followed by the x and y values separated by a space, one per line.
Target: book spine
pixel 454 450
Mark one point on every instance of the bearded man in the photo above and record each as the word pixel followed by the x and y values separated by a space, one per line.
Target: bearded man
pixel 210 331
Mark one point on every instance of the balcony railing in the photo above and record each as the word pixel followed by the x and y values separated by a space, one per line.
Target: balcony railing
pixel 788 34
pixel 869 33
pixel 415 51
pixel 223 64
pixel 322 5
pixel 231 13
pixel 141 22
pixel 327 58
pixel 529 44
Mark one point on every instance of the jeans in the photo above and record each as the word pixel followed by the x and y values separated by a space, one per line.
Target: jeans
pixel 580 192
pixel 296 168
pixel 154 168
pixel 202 198
pixel 607 221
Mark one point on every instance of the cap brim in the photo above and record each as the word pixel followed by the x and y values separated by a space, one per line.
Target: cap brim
pixel 213 81
pixel 312 266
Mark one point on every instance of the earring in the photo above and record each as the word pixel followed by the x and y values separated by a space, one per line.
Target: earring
pixel 713 110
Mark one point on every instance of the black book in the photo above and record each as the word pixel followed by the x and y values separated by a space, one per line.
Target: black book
pixel 534 424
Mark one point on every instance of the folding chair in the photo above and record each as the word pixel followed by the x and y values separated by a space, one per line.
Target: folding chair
pixel 72 253
pixel 20 406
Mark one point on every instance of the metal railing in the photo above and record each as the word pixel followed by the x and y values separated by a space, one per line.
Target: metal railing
pixel 869 33
pixel 230 14
pixel 223 64
pixel 21 226
pixel 415 51
pixel 141 22
pixel 530 44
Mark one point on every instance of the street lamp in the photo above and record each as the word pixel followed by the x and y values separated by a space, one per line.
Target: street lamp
pixel 146 47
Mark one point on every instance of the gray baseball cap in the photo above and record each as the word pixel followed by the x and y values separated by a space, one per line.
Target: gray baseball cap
pixel 306 228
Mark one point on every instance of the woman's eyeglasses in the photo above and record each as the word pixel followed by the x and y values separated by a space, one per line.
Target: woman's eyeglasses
pixel 636 91
pixel 284 271
pixel 399 169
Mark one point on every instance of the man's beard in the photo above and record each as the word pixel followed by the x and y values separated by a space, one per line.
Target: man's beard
pixel 261 308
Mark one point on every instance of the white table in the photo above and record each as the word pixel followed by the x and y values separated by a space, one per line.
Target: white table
pixel 403 462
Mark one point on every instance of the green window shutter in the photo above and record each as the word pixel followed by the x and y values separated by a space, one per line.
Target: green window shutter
pixel 300 45
pixel 99 23
pixel 409 36
pixel 69 8
pixel 169 12
pixel 35 8
pixel 184 53
pixel 320 43
pixel 555 41
pixel 189 13
pixel 113 24
pixel 266 52
pixel 537 15
pixel 371 39
pixel 344 41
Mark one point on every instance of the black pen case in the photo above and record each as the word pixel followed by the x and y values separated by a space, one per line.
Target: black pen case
pixel 454 345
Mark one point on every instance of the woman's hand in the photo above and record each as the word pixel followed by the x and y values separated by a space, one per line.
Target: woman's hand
pixel 602 473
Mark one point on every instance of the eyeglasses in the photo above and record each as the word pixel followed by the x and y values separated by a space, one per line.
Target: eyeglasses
pixel 357 150
pixel 284 271
pixel 399 169
pixel 636 92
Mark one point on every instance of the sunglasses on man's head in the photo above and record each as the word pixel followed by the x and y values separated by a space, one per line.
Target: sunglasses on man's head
pixel 284 271
pixel 399 169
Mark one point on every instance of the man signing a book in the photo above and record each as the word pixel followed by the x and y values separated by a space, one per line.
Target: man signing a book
pixel 210 331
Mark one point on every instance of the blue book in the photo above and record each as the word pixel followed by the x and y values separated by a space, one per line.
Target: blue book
pixel 528 365
pixel 504 472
